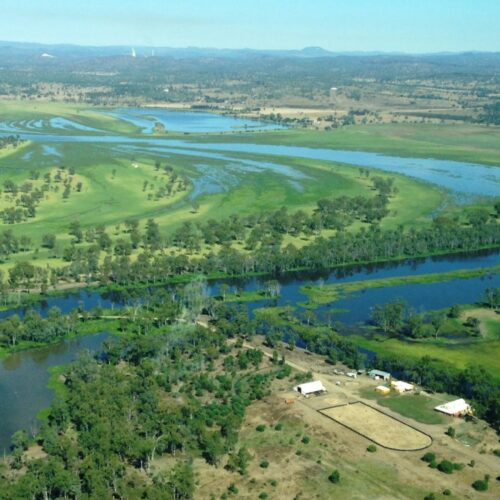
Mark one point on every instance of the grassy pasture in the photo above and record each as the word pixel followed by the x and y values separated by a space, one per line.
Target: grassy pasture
pixel 113 191
pixel 460 142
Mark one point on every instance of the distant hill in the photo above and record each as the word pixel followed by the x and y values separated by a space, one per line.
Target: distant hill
pixel 10 50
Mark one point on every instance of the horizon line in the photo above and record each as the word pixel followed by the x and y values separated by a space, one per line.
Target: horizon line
pixel 253 49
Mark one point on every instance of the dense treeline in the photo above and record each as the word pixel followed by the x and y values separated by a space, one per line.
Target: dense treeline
pixel 34 328
pixel 264 255
pixel 344 248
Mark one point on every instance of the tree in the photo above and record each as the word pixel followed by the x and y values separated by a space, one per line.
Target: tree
pixel 492 297
pixel 389 316
pixel 481 484
pixel 152 236
pixel 238 462
pixel 75 230
pixel 446 466
pixel 437 320
pixel 49 241
pixel 334 477
pixel 181 481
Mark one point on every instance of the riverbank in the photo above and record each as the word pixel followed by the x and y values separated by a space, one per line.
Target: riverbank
pixel 34 296
pixel 326 294
pixel 87 327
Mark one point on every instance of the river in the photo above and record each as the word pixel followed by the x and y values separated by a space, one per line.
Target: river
pixel 24 376
pixel 23 382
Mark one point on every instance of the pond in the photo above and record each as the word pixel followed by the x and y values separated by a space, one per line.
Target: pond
pixel 23 382
pixel 188 121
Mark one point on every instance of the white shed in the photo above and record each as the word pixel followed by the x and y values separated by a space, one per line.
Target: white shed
pixel 400 386
pixel 457 408
pixel 313 387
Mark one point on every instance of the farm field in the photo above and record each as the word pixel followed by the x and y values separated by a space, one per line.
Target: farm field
pixel 378 427
pixel 301 446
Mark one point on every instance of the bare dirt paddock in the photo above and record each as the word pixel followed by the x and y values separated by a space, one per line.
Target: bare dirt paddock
pixel 379 427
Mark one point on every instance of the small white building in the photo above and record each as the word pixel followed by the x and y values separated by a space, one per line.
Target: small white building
pixel 378 374
pixel 400 386
pixel 314 387
pixel 457 408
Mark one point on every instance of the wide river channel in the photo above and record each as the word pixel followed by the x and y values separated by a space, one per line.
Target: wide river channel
pixel 24 376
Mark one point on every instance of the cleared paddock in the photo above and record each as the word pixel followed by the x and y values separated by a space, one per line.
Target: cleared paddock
pixel 378 427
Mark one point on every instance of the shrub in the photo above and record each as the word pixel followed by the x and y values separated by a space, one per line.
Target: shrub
pixel 306 439
pixel 458 466
pixel 263 495
pixel 430 496
pixel 274 483
pixel 447 492
pixel 233 489
pixel 451 431
pixel 480 485
pixel 497 452
pixel 334 477
pixel 446 466
pixel 278 427
pixel 372 448
pixel 454 311
pixel 260 428
pixel 429 457
pixel 264 464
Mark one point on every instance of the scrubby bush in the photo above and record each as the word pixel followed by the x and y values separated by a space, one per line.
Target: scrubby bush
pixel 260 428
pixel 372 448
pixel 451 431
pixel 446 466
pixel 264 464
pixel 334 477
pixel 278 426
pixel 429 457
pixel 446 492
pixel 306 439
pixel 480 485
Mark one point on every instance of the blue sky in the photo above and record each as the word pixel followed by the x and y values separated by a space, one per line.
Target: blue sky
pixel 339 25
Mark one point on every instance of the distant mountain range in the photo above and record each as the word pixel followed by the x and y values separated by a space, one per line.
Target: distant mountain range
pixel 31 50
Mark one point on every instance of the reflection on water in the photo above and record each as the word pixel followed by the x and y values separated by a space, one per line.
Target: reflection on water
pixel 23 382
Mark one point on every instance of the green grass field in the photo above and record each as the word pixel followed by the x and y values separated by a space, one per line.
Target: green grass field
pixel 416 406
pixel 113 185
pixel 113 177
pixel 461 142
pixel 482 353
